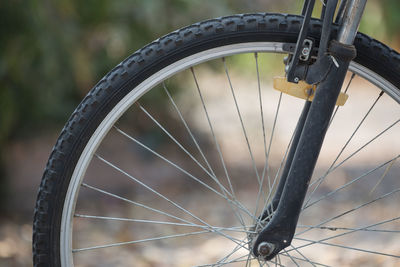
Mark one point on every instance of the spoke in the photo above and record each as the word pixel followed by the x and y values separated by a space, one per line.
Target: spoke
pixel 351 231
pixel 213 177
pixel 275 261
pixel 168 161
pixel 211 228
pixel 350 248
pixel 239 259
pixel 282 161
pixel 163 197
pixel 290 256
pixel 271 138
pixel 242 207
pixel 233 251
pixel 187 128
pixel 351 210
pixel 181 146
pixel 332 228
pixel 260 191
pixel 139 241
pixel 286 254
pixel 223 260
pixel 135 220
pixel 248 260
pixel 343 148
pixel 345 91
pixel 232 229
pixel 241 122
pixel 135 203
pixel 354 153
pixel 302 255
pixel 266 161
pixel 213 134
pixel 244 132
pixel 243 258
pixel 390 162
pixel 277 175
pixel 383 175
pixel 190 133
pixel 279 258
pixel 184 171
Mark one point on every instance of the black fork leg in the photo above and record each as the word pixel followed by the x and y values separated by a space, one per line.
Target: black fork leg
pixel 279 231
pixel 299 128
pixel 281 228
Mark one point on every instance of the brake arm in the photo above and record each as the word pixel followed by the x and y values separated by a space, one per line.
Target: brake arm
pixel 312 73
pixel 307 11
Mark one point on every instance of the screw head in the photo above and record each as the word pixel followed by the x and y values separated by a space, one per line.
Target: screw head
pixel 286 68
pixel 265 248
pixel 305 51
pixel 285 60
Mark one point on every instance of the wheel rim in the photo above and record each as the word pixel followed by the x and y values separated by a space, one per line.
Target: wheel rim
pixel 132 97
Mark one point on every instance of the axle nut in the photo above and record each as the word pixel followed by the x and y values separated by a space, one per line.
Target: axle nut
pixel 265 248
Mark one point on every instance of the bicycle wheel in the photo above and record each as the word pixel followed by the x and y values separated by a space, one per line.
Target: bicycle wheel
pixel 171 157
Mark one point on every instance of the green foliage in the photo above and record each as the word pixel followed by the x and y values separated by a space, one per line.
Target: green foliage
pixel 53 52
pixel 391 11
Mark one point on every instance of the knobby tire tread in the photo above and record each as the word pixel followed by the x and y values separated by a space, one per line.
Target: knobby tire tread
pixel 119 81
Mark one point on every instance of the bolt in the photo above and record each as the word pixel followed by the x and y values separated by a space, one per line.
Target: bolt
pixel 265 248
pixel 285 60
pixel 296 79
pixel 286 68
pixel 305 51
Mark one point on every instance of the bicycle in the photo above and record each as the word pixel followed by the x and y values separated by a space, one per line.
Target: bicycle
pixel 94 186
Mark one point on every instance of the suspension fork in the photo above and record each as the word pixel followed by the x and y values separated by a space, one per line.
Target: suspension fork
pixel 328 72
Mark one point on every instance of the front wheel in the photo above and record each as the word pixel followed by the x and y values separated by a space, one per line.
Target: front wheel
pixel 173 155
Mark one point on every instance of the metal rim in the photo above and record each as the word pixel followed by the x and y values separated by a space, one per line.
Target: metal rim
pixel 66 256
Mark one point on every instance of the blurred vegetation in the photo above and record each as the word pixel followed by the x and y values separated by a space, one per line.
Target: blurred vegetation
pixel 53 52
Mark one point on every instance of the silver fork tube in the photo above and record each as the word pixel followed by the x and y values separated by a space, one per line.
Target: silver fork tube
pixel 351 20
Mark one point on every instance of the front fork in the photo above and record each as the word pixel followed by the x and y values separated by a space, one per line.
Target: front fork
pixel 335 56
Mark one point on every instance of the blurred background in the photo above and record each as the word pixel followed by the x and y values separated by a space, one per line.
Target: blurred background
pixel 53 52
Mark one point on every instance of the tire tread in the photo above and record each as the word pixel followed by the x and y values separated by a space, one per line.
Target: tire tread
pixel 385 61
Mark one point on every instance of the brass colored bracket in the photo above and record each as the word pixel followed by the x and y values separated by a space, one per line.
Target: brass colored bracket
pixel 302 90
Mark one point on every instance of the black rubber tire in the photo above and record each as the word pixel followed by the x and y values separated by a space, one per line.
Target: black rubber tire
pixel 118 82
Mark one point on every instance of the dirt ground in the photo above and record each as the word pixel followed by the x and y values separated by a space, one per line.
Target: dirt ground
pixel 26 160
